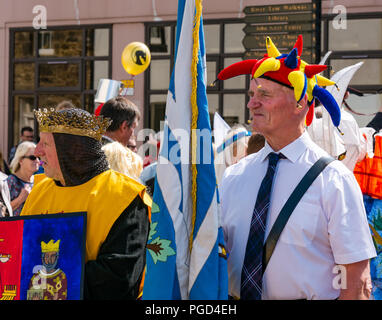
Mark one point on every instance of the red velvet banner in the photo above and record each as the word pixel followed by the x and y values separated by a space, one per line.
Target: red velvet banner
pixel 11 245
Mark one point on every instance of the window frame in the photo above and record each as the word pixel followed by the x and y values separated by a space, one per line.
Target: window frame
pixel 218 89
pixel 351 54
pixel 37 60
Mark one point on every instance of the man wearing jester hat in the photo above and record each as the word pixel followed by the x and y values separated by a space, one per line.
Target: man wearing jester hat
pixel 323 247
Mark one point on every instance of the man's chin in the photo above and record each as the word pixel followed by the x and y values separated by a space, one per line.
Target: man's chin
pixel 49 174
pixel 256 126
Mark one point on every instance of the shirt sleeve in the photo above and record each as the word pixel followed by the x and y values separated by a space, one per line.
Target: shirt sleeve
pixel 348 229
pixel 117 272
pixel 13 187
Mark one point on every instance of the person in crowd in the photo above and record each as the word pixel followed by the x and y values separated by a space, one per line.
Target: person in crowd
pixel 232 149
pixel 368 173
pixel 151 148
pixel 20 182
pixel 5 197
pixel 132 144
pixel 26 135
pixel 150 161
pixel 125 116
pixel 117 206
pixel 120 159
pixel 235 144
pixel 65 104
pixel 4 165
pixel 376 122
pixel 321 244
pixel 255 143
pixel 348 143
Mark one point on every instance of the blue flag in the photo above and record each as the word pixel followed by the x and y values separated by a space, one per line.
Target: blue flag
pixel 186 257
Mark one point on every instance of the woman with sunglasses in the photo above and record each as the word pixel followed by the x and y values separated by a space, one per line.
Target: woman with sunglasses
pixel 20 182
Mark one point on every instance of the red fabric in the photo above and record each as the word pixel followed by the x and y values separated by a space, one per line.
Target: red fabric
pixel 98 110
pixel 368 172
pixel 282 74
pixel 11 244
pixel 309 116
pixel 313 69
pixel 237 69
pixel 299 45
pixel 148 160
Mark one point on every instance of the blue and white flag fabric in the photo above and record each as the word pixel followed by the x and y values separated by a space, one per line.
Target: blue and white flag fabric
pixel 186 257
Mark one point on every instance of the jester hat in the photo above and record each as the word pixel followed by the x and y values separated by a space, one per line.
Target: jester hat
pixel 291 71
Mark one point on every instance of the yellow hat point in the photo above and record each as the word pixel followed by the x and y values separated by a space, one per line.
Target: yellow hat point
pixel 297 79
pixel 309 90
pixel 270 64
pixel 303 64
pixel 322 81
pixel 271 48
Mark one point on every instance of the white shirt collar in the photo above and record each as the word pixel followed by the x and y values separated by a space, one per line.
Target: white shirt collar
pixel 107 138
pixel 291 151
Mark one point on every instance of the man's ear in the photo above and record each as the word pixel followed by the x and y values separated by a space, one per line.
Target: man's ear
pixel 302 105
pixel 123 126
pixel 304 101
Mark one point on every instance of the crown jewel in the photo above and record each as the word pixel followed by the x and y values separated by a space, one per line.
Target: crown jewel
pixel 72 121
pixel 51 246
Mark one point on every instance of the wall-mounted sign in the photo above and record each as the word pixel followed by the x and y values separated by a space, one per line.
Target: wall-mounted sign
pixel 283 23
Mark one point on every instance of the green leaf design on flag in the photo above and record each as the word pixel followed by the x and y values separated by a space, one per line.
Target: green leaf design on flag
pixel 160 249
pixel 152 230
pixel 154 208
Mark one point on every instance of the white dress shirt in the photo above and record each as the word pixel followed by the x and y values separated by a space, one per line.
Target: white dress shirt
pixel 328 226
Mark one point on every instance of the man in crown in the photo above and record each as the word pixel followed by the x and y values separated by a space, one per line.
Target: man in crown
pixel 79 180
pixel 48 283
pixel 295 235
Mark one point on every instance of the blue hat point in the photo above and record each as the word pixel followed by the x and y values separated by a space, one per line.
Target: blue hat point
pixel 291 60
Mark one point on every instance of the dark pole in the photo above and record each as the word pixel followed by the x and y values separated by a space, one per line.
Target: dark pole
pixel 318 29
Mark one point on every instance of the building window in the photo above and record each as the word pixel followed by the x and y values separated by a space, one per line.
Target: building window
pixel 223 42
pixel 49 66
pixel 352 44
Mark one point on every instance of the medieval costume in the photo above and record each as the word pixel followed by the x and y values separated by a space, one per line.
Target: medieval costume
pixel 117 206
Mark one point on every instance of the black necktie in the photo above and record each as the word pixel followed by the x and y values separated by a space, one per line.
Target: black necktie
pixel 251 275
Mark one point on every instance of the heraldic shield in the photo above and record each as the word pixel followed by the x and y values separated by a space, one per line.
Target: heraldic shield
pixel 42 257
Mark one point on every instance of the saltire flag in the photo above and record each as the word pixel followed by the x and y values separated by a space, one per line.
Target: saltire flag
pixel 186 257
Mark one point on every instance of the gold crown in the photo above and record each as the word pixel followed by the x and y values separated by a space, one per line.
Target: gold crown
pixel 51 246
pixel 72 121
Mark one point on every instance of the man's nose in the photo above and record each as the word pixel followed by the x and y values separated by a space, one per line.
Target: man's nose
pixel 253 102
pixel 38 151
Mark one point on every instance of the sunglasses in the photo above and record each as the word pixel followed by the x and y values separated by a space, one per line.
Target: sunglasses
pixel 31 157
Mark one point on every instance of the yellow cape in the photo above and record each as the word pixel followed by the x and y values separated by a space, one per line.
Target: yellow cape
pixel 104 198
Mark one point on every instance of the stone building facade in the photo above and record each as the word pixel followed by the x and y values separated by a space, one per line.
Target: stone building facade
pixel 84 39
